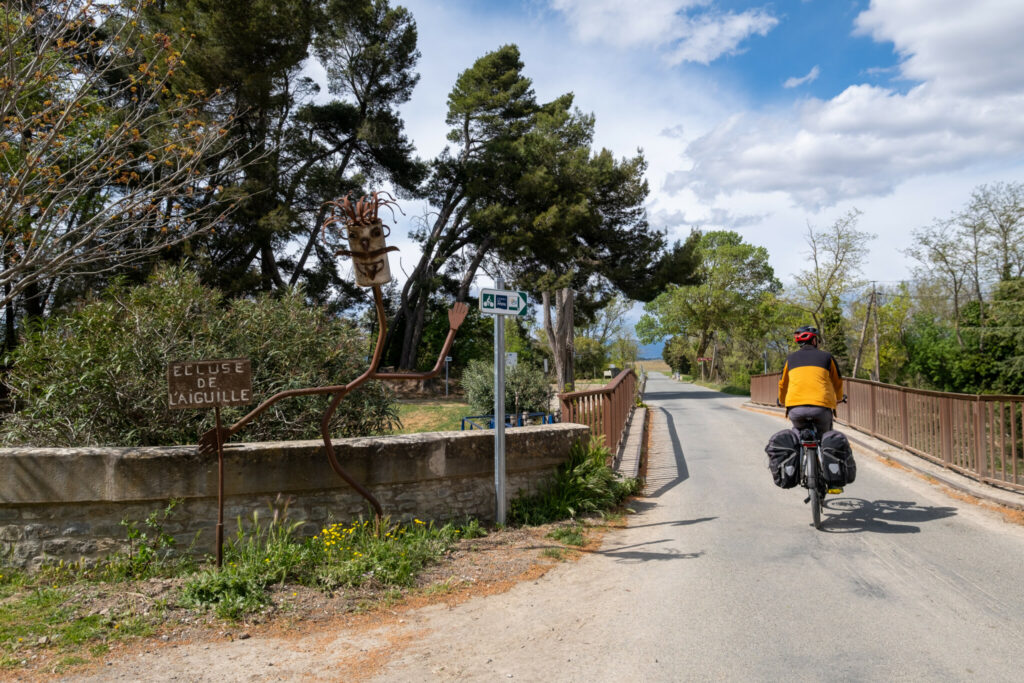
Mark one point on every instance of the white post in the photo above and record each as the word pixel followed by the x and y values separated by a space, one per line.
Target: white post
pixel 499 409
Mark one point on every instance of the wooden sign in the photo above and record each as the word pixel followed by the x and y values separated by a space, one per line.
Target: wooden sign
pixel 209 383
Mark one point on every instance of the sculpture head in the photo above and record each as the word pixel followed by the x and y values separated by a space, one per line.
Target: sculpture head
pixel 365 233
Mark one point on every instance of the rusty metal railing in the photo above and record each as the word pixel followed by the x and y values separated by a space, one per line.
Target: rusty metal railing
pixel 977 435
pixel 605 410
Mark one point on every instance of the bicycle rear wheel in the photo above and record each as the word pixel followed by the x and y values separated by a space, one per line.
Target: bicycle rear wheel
pixel 812 486
pixel 816 508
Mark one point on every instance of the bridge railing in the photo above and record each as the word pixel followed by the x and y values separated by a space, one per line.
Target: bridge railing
pixel 605 410
pixel 975 434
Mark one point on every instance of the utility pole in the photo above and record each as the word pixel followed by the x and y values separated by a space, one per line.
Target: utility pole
pixel 863 332
pixel 874 297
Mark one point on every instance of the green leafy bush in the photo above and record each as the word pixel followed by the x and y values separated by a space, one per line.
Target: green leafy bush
pixel 97 376
pixel 526 388
pixel 584 484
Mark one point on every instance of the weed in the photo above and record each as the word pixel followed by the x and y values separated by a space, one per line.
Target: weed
pixel 231 593
pixel 472 529
pixel 584 484
pixel 570 535
pixel 67 662
pixel 443 587
pixel 554 553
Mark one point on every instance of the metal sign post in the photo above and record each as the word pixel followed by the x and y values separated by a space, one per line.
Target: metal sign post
pixel 205 383
pixel 500 302
pixel 499 411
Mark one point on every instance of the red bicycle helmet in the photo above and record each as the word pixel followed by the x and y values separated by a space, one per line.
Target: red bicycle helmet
pixel 805 334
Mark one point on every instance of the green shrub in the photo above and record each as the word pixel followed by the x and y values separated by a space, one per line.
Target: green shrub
pixel 98 376
pixel 526 388
pixel 584 484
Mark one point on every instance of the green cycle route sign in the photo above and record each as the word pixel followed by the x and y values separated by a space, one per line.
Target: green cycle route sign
pixel 502 302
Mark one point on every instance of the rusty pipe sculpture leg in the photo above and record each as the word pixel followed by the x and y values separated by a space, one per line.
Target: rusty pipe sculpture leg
pixel 325 432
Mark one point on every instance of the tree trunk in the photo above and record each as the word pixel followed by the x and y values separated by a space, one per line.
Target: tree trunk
pixel 560 335
pixel 10 338
pixel 714 359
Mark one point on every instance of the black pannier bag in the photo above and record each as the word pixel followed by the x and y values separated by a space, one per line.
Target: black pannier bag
pixel 840 468
pixel 783 451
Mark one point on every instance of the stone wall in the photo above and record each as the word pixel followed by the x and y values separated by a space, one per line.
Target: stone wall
pixel 68 503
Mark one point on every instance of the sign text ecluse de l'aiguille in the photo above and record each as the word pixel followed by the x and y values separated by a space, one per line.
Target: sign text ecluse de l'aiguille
pixel 209 383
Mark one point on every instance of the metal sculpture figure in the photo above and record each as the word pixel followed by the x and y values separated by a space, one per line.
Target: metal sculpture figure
pixel 365 233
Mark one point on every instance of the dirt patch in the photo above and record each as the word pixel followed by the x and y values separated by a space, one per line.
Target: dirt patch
pixel 474 567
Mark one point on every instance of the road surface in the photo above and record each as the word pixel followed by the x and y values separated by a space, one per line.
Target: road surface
pixel 722 577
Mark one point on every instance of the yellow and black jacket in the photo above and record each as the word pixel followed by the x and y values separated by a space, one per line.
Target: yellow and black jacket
pixel 810 378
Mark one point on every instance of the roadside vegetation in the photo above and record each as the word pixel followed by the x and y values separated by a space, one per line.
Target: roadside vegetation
pixel 97 375
pixel 72 613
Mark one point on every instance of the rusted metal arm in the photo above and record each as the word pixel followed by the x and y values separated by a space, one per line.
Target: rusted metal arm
pixel 456 315
pixel 208 441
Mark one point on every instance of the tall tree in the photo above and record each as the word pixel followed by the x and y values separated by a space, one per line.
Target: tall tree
pixel 999 208
pixel 734 277
pixel 974 248
pixel 609 321
pixel 581 229
pixel 99 158
pixel 836 256
pixel 491 105
pixel 939 251
pixel 302 152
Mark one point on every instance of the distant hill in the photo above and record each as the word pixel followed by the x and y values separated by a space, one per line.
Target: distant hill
pixel 651 351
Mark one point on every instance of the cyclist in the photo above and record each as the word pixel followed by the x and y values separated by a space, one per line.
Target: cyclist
pixel 811 384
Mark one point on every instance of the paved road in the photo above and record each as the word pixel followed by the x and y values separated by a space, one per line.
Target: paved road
pixel 722 577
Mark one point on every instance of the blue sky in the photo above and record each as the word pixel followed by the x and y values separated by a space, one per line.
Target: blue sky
pixel 765 117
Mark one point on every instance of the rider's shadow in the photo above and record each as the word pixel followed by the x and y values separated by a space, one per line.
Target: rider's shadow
pixel 848 515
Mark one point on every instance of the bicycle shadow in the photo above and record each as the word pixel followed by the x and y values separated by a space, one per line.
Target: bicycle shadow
pixel 856 515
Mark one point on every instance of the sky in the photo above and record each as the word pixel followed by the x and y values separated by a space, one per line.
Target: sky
pixel 763 117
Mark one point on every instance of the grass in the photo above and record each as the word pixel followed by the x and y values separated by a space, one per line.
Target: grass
pixel 33 615
pixel 432 416
pixel 654 366
pixel 724 387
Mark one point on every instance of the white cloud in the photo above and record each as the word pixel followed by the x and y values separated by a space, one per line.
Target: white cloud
pixel 675 132
pixel 963 47
pixel 964 111
pixel 811 76
pixel 714 218
pixel 687 30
